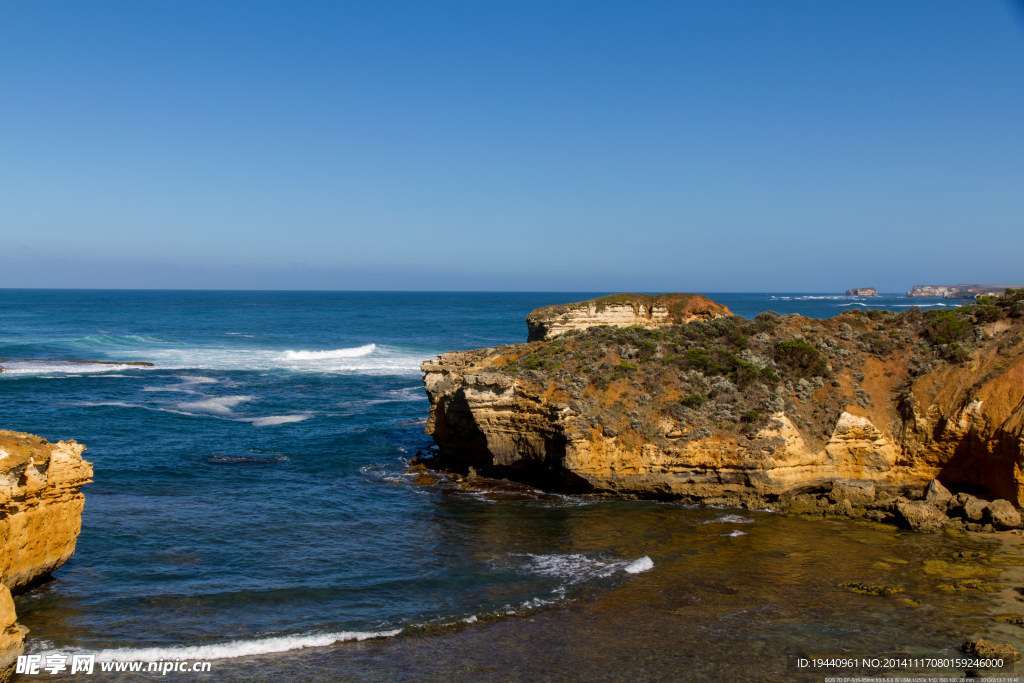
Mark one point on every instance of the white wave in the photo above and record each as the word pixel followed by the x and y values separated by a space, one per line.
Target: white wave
pixel 220 405
pixel 271 420
pixel 354 352
pixel 186 386
pixel 414 393
pixel 122 404
pixel 638 566
pixel 378 360
pixel 576 567
pixel 729 519
pixel 63 368
pixel 736 533
pixel 234 648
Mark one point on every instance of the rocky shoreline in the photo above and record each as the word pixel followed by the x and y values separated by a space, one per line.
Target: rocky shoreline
pixel 40 518
pixel 914 418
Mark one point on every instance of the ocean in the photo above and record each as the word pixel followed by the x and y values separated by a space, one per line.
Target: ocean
pixel 251 507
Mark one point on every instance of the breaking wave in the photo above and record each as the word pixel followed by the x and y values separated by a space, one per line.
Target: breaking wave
pixel 234 648
pixel 354 352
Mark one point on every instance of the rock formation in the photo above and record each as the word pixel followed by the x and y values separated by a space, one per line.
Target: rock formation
pixel 622 310
pixel 40 518
pixel 862 291
pixel 956 291
pixel 866 407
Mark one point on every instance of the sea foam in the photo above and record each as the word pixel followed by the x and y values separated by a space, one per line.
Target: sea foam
pixel 354 352
pixel 235 648
pixel 219 405
pixel 638 566
pixel 271 420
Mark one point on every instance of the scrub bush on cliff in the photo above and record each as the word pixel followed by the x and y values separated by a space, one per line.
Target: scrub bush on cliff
pixel 800 358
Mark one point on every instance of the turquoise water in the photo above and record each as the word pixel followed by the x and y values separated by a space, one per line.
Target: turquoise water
pixel 250 493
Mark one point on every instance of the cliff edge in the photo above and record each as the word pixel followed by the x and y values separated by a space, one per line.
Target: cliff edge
pixel 622 310
pixel 779 410
pixel 40 519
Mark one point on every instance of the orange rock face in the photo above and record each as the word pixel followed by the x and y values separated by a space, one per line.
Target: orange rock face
pixel 622 310
pixel 886 404
pixel 40 519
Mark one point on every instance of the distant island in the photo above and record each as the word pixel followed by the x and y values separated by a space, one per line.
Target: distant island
pixel 957 291
pixel 862 291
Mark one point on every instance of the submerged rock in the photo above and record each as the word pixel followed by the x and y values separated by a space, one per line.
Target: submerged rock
pixel 986 649
pixel 871 589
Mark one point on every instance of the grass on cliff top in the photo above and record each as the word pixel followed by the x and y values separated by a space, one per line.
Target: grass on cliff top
pixel 732 374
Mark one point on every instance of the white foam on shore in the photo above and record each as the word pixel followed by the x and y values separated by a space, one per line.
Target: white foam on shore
pixel 638 566
pixel 271 420
pixel 576 567
pixel 234 648
pixel 729 519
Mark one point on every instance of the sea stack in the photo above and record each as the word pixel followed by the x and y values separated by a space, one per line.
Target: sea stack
pixel 862 291
pixel 622 310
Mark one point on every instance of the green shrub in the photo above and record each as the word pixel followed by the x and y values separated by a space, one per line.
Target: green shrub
pixel 946 327
pixel 802 359
pixel 693 400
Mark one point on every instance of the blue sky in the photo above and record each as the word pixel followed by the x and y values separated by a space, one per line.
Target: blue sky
pixel 738 145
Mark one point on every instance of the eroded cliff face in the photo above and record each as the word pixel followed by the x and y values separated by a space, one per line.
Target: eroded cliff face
pixel 40 518
pixel 747 412
pixel 622 310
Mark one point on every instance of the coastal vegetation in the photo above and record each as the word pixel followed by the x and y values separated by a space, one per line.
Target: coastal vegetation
pixel 734 374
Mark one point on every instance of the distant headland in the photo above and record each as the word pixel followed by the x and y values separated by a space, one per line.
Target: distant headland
pixel 958 291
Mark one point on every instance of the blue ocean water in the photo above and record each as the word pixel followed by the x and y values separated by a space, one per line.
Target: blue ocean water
pixel 250 492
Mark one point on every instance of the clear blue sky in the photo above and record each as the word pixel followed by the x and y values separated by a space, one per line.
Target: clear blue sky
pixel 745 145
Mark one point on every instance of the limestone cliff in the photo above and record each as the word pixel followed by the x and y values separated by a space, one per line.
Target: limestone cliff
pixel 622 310
pixel 40 518
pixel 862 291
pixel 748 411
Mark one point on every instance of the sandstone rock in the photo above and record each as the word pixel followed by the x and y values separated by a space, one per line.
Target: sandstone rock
pixel 884 412
pixel 920 516
pixel 937 494
pixel 40 518
pixel 1002 515
pixel 622 310
pixel 857 492
pixel 986 649
pixel 974 508
pixel 12 635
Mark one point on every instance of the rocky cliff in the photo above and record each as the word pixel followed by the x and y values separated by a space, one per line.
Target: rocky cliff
pixel 779 410
pixel 956 291
pixel 862 291
pixel 622 310
pixel 40 518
